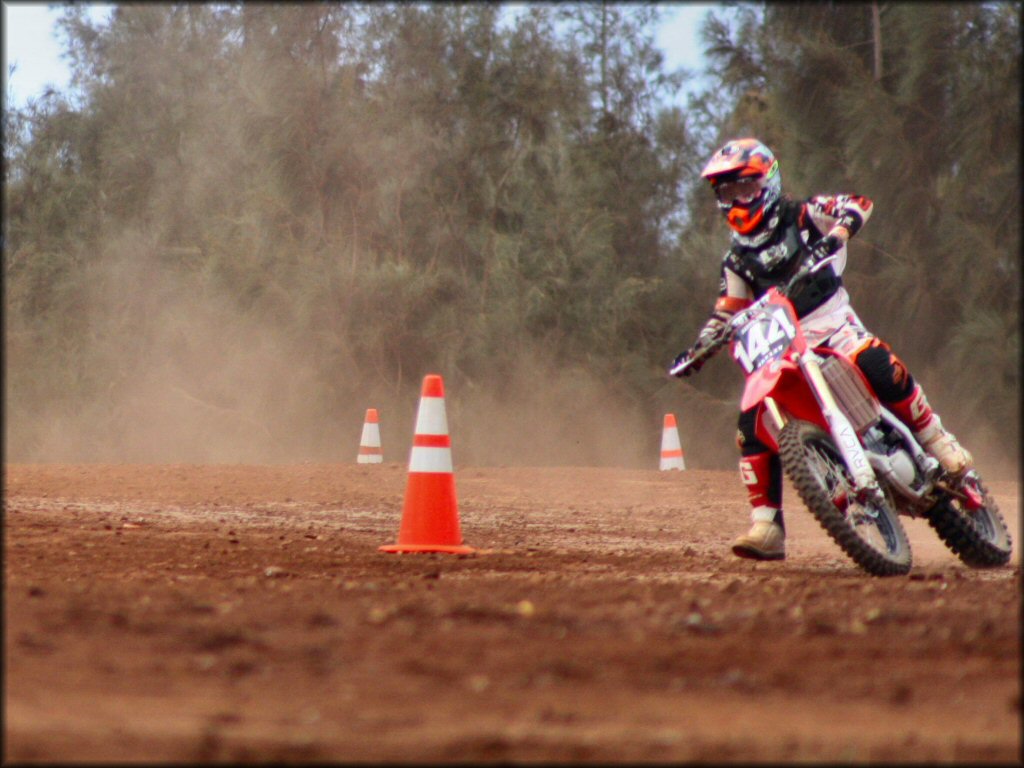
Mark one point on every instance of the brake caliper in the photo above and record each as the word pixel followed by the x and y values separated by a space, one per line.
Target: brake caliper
pixel 974 497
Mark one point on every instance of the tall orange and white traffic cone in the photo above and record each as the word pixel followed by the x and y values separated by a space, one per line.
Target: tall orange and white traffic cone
pixel 671 448
pixel 369 442
pixel 430 516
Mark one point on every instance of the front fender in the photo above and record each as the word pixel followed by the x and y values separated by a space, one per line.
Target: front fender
pixel 763 382
pixel 786 385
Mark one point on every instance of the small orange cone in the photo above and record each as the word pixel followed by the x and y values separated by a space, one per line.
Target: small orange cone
pixel 369 443
pixel 430 517
pixel 671 448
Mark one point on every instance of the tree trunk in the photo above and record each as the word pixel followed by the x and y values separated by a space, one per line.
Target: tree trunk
pixel 876 31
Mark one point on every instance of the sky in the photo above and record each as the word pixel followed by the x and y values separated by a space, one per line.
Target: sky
pixel 30 43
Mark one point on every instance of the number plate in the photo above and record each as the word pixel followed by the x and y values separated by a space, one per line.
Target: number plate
pixel 764 338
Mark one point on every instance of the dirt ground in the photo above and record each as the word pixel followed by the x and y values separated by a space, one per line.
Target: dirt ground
pixel 194 613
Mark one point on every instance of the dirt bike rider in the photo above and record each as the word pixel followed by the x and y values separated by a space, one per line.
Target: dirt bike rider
pixel 772 235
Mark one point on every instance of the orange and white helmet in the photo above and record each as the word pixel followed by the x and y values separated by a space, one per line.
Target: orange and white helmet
pixel 744 175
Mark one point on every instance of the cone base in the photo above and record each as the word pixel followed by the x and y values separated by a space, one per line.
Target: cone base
pixel 453 549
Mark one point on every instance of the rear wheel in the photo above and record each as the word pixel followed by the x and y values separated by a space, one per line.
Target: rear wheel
pixel 977 536
pixel 868 531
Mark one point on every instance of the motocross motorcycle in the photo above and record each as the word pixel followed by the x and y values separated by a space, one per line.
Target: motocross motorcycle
pixel 854 464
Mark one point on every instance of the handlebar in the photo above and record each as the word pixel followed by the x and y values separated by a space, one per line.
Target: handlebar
pixel 808 267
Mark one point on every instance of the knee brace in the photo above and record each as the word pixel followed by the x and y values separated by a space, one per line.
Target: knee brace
pixel 746 434
pixel 894 385
pixel 885 372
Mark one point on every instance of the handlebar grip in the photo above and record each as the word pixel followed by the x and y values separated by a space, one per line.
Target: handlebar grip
pixel 702 352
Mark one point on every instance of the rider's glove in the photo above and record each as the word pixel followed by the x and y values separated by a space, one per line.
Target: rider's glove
pixel 713 328
pixel 709 336
pixel 826 247
pixel 686 356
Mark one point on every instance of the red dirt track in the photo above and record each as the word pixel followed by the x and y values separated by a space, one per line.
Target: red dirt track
pixel 196 613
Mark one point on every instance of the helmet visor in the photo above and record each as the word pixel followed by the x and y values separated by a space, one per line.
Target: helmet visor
pixel 740 191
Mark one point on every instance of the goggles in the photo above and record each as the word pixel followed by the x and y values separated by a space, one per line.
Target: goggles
pixel 740 191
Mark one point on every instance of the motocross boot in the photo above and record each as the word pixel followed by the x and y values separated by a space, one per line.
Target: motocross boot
pixel 916 413
pixel 766 539
pixel 944 446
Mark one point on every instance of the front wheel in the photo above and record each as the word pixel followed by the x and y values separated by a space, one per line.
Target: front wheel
pixel 977 536
pixel 869 532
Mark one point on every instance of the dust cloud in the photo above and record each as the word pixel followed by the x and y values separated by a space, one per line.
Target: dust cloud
pixel 547 415
pixel 185 377
pixel 182 378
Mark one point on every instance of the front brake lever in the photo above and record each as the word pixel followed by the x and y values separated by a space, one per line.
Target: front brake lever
pixel 818 265
pixel 804 271
pixel 716 342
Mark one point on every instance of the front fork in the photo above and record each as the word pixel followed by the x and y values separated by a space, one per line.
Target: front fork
pixel 864 480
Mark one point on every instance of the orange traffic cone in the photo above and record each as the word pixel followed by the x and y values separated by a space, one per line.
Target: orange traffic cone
pixel 671 448
pixel 369 443
pixel 430 518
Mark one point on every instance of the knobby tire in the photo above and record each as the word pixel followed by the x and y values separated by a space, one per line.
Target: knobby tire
pixel 794 440
pixel 979 538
